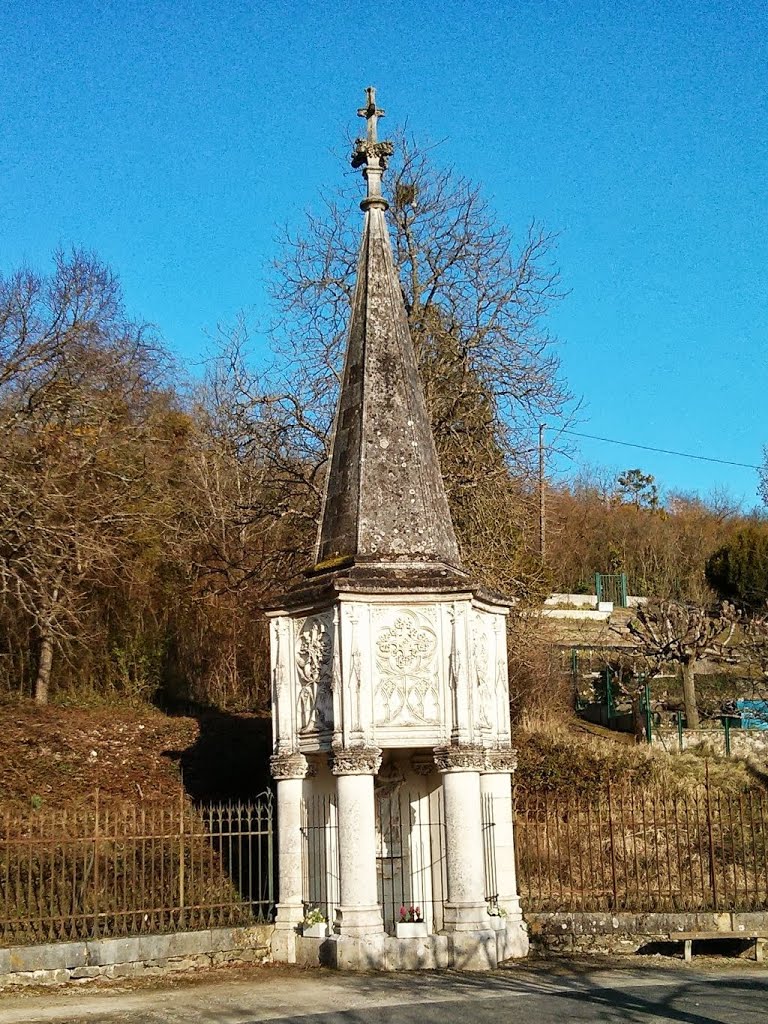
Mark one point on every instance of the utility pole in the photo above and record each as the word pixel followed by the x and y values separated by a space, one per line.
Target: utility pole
pixel 542 528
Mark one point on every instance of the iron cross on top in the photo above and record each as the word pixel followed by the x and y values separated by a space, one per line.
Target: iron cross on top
pixel 371 113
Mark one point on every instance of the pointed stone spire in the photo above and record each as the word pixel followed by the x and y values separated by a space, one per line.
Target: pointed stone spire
pixel 384 499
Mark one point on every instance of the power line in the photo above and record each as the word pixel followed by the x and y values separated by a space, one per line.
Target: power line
pixel 662 451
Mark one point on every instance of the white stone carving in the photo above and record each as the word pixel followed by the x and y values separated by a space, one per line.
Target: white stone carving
pixel 407 688
pixel 336 673
pixel 288 766
pixel 503 759
pixel 314 656
pixel 465 757
pixel 355 674
pixel 389 779
pixel 281 699
pixel 485 702
pixel 356 761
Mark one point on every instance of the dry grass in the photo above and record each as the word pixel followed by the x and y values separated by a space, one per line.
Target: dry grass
pixel 556 755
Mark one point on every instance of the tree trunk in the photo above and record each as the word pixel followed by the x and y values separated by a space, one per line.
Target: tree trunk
pixel 44 669
pixel 689 694
pixel 638 717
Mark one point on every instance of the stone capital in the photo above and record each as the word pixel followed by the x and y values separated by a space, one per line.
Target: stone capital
pixel 502 759
pixel 369 153
pixel 288 766
pixel 356 761
pixel 464 757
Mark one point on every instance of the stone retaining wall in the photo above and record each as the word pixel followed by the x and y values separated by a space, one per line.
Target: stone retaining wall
pixel 134 956
pixel 627 933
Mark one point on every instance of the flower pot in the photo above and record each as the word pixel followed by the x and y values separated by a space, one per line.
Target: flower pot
pixel 315 931
pixel 410 929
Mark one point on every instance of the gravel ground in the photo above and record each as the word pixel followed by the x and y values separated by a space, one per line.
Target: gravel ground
pixel 539 991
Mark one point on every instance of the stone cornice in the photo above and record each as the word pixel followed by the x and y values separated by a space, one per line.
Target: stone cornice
pixel 466 757
pixel 356 761
pixel 440 583
pixel 288 766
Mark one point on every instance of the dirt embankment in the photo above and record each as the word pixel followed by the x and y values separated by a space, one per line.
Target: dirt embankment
pixel 56 757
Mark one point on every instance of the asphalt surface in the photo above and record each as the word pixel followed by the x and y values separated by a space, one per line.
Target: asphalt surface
pixel 542 993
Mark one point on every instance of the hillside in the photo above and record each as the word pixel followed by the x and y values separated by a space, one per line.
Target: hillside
pixel 56 756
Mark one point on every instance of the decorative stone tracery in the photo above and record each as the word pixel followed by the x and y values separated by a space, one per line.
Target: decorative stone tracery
pixel 407 689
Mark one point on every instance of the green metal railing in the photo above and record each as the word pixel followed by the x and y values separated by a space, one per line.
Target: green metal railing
pixel 612 587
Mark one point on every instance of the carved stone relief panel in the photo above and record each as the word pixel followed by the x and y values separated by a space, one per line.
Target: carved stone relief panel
pixel 282 698
pixel 355 629
pixel 502 674
pixel 407 687
pixel 314 670
pixel 483 670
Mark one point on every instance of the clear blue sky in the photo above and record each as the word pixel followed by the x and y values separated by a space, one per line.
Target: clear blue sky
pixel 174 137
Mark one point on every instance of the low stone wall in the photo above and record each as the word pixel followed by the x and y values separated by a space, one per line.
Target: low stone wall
pixel 627 933
pixel 134 956
pixel 576 613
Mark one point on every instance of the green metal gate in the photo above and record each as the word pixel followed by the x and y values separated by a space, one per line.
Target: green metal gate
pixel 612 587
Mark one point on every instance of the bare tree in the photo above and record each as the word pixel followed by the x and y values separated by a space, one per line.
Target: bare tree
pixel 681 634
pixel 78 385
pixel 476 300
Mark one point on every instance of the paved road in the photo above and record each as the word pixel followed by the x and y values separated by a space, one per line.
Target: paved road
pixel 538 994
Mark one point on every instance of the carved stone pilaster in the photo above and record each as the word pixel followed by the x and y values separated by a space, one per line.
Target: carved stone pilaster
pixel 288 766
pixel 465 757
pixel 503 759
pixel 356 761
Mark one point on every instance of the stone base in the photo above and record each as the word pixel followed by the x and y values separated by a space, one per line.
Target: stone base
pixel 359 922
pixel 473 951
pixel 348 953
pixel 284 945
pixel 512 940
pixel 465 917
pixel 425 953
pixel 480 950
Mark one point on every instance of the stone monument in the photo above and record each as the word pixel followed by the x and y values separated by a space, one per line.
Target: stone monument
pixel 390 700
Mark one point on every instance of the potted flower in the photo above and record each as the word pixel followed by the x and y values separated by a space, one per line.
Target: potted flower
pixel 411 924
pixel 314 925
pixel 497 915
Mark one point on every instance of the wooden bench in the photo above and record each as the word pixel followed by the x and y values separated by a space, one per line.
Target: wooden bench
pixel 688 939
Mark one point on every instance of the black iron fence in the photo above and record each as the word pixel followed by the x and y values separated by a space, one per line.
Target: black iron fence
pixel 410 857
pixel 320 854
pixel 131 869
pixel 642 849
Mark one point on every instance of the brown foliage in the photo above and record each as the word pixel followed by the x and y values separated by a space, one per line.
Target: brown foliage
pixel 596 525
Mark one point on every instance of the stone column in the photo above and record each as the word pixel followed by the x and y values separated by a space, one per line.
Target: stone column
pixel 358 914
pixel 496 784
pixel 289 771
pixel 465 907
